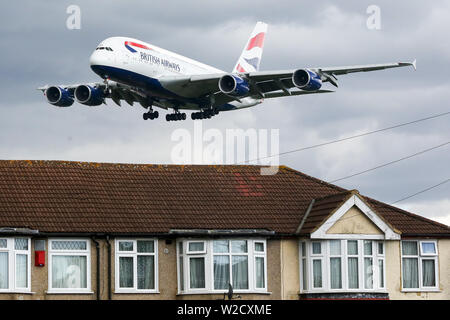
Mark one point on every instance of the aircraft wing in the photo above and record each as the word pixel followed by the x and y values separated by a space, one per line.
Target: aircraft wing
pixel 116 91
pixel 265 84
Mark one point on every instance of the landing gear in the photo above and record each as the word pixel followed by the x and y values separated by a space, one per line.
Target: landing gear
pixel 205 114
pixel 150 115
pixel 175 116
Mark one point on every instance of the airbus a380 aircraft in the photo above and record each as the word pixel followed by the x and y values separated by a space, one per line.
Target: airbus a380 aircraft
pixel 136 71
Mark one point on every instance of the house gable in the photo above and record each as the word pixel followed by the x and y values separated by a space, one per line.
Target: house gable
pixel 355 219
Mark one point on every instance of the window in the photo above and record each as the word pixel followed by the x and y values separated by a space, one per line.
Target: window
pixel 342 265
pixel 69 266
pixel 136 265
pixel 419 265
pixel 15 275
pixel 211 265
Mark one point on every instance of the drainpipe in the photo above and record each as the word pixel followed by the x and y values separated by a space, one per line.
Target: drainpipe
pixel 109 267
pixel 97 247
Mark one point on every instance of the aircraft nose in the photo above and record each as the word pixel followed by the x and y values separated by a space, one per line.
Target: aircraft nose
pixel 95 59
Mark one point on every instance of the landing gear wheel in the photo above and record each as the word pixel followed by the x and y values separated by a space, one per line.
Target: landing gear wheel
pixel 145 116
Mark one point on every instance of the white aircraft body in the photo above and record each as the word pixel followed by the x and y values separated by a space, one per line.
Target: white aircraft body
pixel 135 71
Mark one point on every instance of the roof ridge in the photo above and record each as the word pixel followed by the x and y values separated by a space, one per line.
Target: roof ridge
pixel 335 194
pixel 313 178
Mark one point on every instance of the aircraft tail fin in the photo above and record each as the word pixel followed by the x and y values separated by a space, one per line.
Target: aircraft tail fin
pixel 251 55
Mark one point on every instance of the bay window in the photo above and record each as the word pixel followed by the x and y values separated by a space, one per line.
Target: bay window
pixel 209 266
pixel 15 274
pixel 342 265
pixel 69 266
pixel 136 266
pixel 419 265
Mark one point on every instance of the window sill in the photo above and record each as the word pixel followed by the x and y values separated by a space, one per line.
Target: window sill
pixel 345 291
pixel 420 290
pixel 69 292
pixel 17 292
pixel 136 292
pixel 223 292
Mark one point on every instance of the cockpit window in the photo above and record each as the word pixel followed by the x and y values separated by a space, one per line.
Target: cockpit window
pixel 104 48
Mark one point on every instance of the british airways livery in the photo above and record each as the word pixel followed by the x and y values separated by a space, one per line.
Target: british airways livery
pixel 135 71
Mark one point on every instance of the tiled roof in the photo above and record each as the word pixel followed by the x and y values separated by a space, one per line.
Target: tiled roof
pixel 81 197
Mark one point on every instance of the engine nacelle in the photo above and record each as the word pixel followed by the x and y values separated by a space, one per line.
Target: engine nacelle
pixel 306 80
pixel 89 96
pixel 59 96
pixel 233 85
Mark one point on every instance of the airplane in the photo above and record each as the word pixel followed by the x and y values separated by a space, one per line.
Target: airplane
pixel 135 71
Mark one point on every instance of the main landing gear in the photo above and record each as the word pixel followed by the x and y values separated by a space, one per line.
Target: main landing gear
pixel 150 115
pixel 175 116
pixel 205 114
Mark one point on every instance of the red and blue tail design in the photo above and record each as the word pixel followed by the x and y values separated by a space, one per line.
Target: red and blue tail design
pixel 251 56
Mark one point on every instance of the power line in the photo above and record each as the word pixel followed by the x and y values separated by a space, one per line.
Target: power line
pixel 392 162
pixel 422 191
pixel 351 137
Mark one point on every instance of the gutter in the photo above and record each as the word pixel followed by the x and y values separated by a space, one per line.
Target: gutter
pixel 109 267
pixel 214 232
pixel 97 247
pixel 18 231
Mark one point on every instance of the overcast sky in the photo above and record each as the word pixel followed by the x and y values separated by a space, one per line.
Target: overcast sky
pixel 38 49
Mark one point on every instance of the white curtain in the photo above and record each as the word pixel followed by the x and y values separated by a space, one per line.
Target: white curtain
pixel 317 273
pixel 4 270
pixel 353 273
pixel 335 272
pixel 305 274
pixel 428 277
pixel 352 247
pixel 409 248
pixel 221 272
pixel 69 272
pixel 180 259
pixel 221 246
pixel 381 272
pixel 368 273
pixel 367 247
pixel 410 273
pixel 146 272
pixel 197 272
pixel 240 272
pixel 21 271
pixel 259 270
pixel 335 247
pixel 126 273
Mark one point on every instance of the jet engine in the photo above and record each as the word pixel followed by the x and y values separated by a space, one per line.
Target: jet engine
pixel 233 85
pixel 90 96
pixel 306 80
pixel 59 96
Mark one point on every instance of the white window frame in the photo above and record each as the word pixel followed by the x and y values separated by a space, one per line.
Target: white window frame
pixel 260 254
pixel 208 256
pixel 420 257
pixel 12 253
pixel 326 274
pixel 55 252
pixel 196 252
pixel 134 254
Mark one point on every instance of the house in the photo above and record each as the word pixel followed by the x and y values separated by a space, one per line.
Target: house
pixel 76 230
